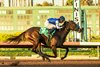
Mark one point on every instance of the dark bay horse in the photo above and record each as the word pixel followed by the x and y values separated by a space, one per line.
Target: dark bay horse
pixel 32 35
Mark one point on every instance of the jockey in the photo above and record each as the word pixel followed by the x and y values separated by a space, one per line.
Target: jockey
pixel 54 23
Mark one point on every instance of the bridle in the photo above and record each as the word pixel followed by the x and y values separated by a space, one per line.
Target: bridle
pixel 66 29
pixel 76 28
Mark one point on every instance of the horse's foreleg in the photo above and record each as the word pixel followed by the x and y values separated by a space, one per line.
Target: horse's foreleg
pixel 67 50
pixel 53 43
pixel 54 49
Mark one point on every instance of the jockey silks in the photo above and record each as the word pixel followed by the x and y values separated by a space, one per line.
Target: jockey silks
pixel 53 20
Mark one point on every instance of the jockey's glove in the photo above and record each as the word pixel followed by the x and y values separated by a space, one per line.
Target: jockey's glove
pixel 59 27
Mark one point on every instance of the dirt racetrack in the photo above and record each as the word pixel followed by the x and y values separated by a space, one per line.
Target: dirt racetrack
pixel 53 63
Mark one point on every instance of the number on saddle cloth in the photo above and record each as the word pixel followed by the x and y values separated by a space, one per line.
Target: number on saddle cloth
pixel 53 20
pixel 45 31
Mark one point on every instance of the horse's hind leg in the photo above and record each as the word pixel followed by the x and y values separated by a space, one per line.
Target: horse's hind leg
pixel 65 54
pixel 38 51
pixel 36 43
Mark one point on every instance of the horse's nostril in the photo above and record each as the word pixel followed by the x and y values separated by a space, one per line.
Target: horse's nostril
pixel 82 29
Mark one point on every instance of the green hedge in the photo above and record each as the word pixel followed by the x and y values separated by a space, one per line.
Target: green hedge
pixel 95 38
pixel 5 36
pixel 21 52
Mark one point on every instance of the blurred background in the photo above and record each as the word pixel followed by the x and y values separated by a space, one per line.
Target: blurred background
pixel 19 15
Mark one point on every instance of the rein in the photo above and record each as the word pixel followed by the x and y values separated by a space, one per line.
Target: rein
pixel 66 29
pixel 77 28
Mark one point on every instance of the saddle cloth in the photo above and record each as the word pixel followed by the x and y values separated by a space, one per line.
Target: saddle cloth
pixel 45 31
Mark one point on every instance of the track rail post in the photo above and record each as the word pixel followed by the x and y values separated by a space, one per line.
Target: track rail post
pixel 98 52
pixel 59 55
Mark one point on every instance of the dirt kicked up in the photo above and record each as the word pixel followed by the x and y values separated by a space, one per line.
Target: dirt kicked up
pixel 57 63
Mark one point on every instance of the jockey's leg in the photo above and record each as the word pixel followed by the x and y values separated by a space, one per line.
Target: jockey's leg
pixel 51 30
pixel 50 33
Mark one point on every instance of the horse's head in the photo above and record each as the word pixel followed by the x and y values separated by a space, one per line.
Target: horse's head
pixel 71 25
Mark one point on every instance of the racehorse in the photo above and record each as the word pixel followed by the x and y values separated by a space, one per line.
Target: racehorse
pixel 32 35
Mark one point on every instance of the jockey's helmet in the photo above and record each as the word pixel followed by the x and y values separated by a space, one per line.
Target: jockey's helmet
pixel 62 18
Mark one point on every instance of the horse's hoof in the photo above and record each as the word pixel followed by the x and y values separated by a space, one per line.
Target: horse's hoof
pixel 62 58
pixel 49 60
pixel 15 63
pixel 43 59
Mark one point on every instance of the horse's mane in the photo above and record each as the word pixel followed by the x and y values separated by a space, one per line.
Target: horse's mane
pixel 60 34
pixel 64 25
pixel 70 21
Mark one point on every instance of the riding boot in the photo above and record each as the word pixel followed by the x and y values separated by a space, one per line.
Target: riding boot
pixel 50 34
pixel 48 37
pixel 50 31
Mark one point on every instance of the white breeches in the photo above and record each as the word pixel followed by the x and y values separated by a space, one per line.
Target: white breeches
pixel 49 26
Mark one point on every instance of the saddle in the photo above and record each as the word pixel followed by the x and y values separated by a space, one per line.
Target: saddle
pixel 47 32
pixel 44 30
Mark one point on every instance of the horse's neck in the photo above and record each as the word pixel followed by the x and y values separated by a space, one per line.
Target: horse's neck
pixel 65 35
pixel 62 35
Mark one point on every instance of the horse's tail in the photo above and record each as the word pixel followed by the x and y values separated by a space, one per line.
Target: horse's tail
pixel 16 39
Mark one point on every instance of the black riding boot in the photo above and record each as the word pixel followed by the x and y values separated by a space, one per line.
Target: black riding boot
pixel 51 30
pixel 50 33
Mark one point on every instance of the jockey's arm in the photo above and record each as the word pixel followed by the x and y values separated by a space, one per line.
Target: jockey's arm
pixel 57 25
